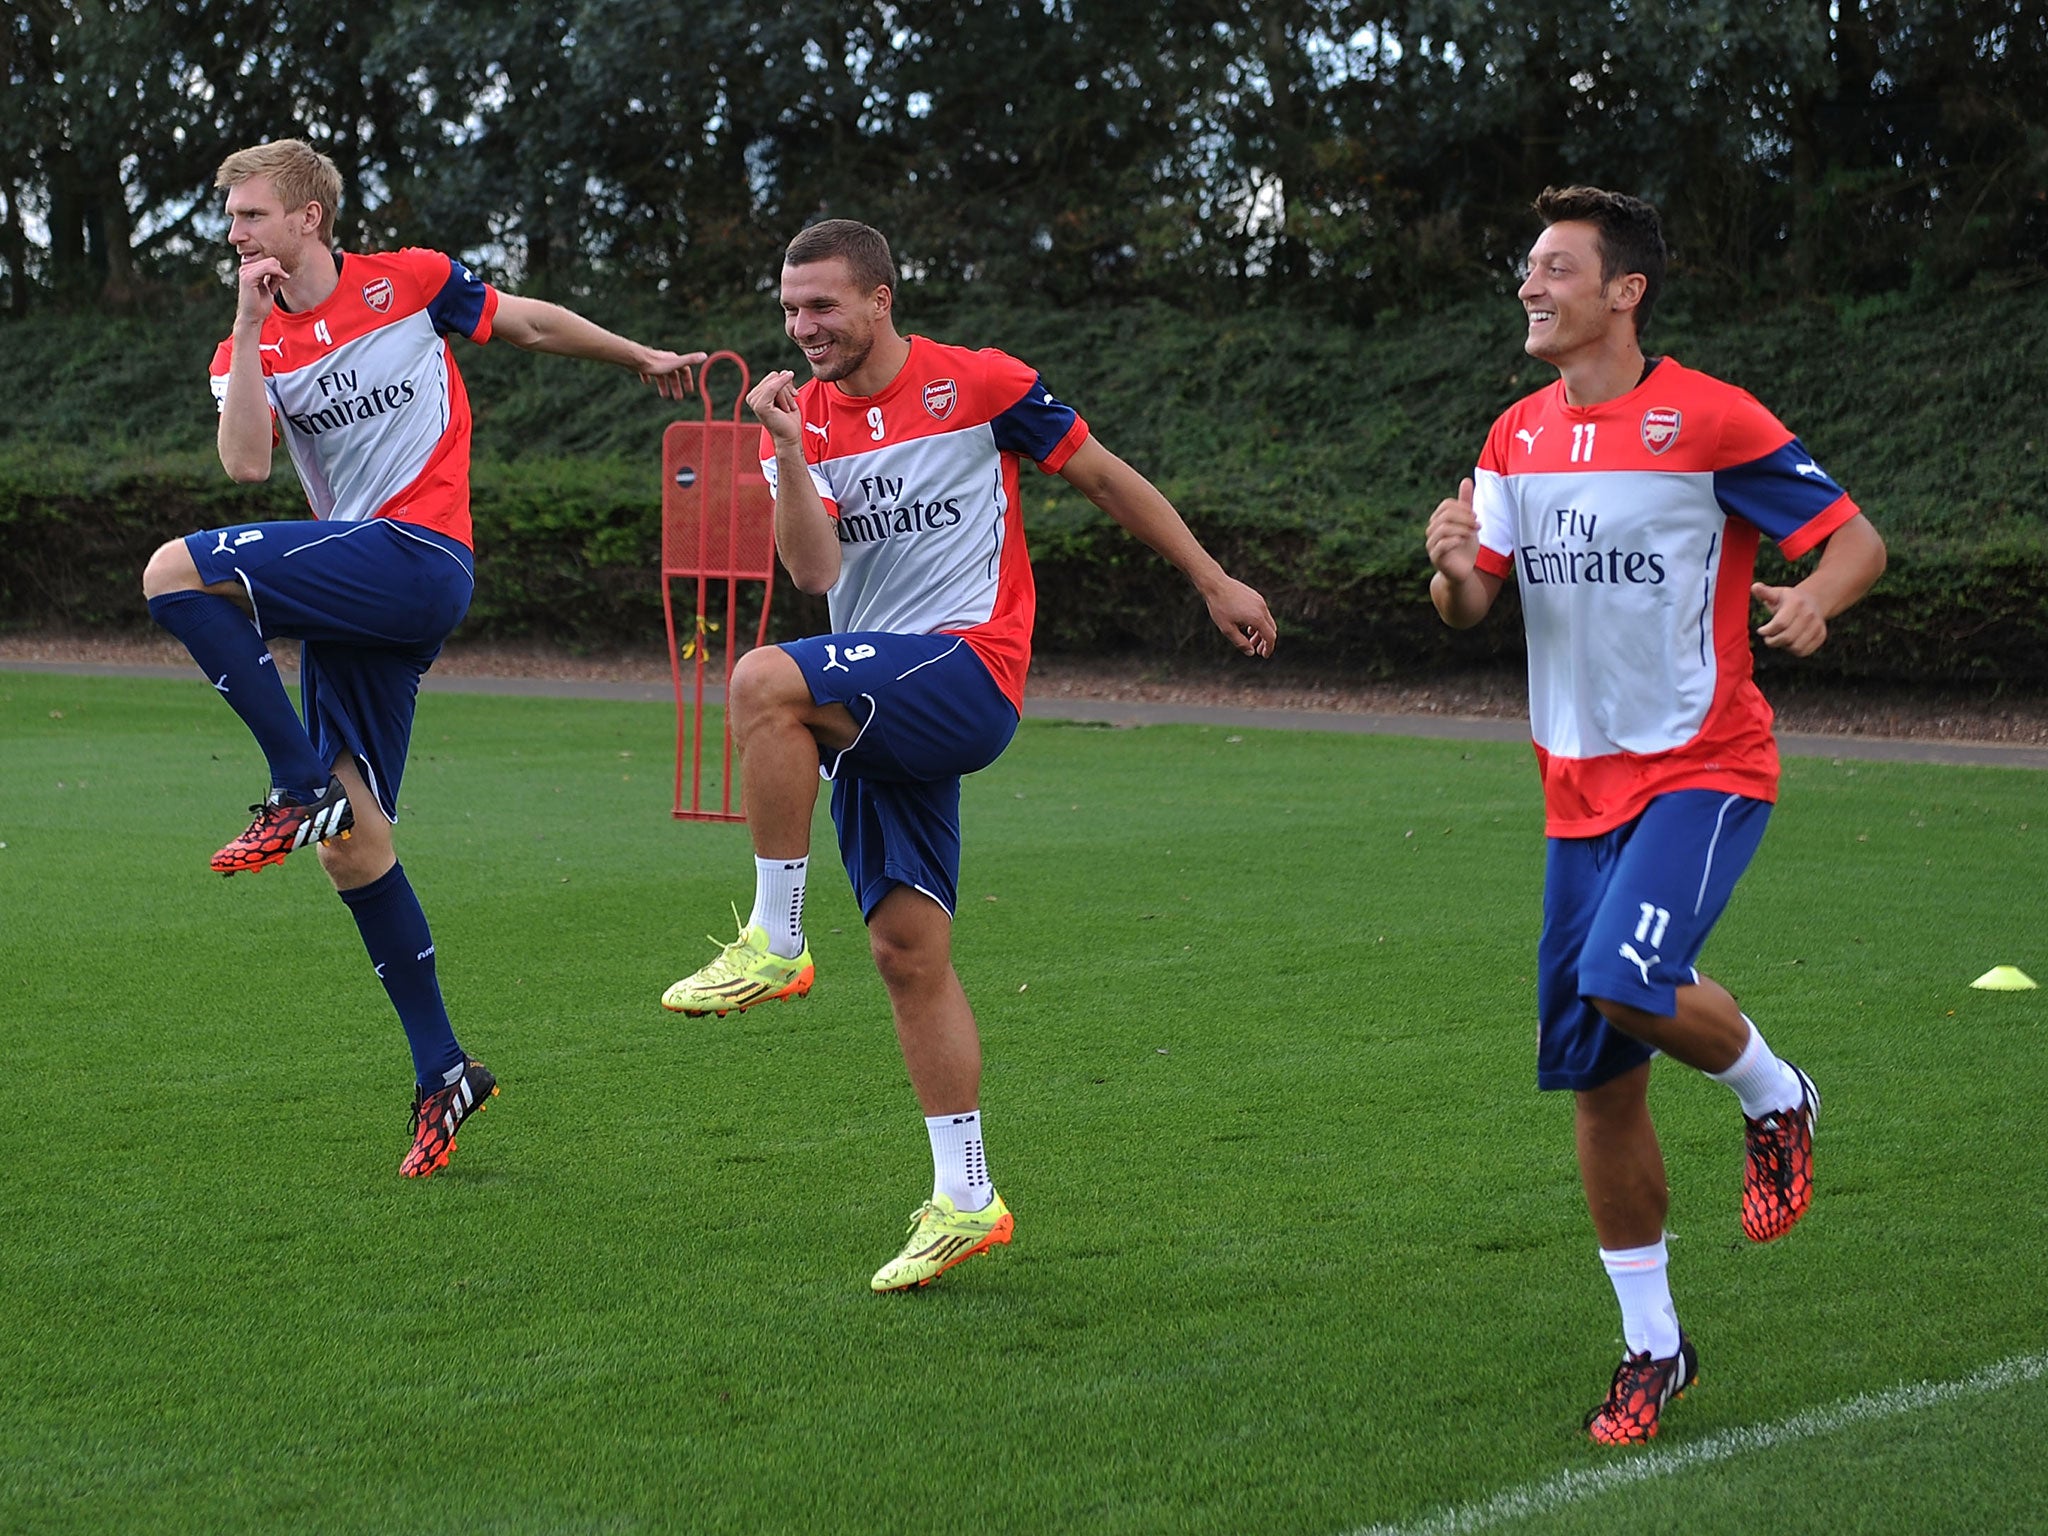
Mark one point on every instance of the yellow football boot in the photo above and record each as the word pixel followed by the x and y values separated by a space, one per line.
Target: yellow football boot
pixel 744 973
pixel 940 1237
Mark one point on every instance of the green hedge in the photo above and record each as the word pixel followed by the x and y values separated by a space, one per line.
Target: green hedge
pixel 1306 455
pixel 569 550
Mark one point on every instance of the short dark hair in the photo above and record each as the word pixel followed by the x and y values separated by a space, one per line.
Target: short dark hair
pixel 1631 236
pixel 863 248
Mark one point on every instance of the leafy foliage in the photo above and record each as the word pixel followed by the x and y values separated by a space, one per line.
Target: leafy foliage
pixel 1306 455
pixel 1313 153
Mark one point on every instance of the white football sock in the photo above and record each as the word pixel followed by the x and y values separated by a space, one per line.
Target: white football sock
pixel 959 1165
pixel 779 904
pixel 1642 1284
pixel 1765 1084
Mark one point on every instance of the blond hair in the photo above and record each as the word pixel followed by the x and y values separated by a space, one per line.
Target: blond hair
pixel 298 173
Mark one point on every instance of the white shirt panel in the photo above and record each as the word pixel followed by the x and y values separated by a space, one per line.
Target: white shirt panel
pixel 1616 575
pixel 920 532
pixel 362 422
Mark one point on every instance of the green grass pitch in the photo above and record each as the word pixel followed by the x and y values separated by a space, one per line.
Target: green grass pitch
pixel 1299 1247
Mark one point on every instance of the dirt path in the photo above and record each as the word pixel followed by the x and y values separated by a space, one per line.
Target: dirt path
pixel 1923 725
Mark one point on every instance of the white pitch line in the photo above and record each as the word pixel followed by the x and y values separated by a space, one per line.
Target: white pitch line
pixel 1576 1485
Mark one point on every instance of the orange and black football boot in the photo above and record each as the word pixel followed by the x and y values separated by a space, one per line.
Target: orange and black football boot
pixel 1777 1182
pixel 285 823
pixel 438 1115
pixel 1640 1390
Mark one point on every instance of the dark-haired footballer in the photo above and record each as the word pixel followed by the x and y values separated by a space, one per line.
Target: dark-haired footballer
pixel 1626 502
pixel 895 471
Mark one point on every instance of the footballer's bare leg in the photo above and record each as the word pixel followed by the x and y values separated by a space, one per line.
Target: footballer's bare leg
pixel 1779 1102
pixel 1708 1030
pixel 912 939
pixel 779 729
pixel 367 854
pixel 1621 1165
pixel 171 569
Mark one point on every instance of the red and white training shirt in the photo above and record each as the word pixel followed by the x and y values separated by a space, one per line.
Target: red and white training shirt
pixel 364 393
pixel 1631 529
pixel 922 482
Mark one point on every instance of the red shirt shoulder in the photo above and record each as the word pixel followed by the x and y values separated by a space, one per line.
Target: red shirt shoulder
pixel 989 381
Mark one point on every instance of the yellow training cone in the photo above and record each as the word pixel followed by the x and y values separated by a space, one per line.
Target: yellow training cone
pixel 2005 978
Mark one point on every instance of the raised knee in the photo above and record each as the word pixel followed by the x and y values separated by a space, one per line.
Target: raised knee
pixel 764 681
pixel 170 569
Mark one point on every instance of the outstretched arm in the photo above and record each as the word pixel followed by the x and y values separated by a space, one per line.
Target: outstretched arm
pixel 1850 563
pixel 1463 593
pixel 1138 506
pixel 539 326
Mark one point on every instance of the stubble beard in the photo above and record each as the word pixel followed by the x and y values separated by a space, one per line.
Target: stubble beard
pixel 841 364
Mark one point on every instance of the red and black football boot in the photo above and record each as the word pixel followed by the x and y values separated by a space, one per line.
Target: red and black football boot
pixel 1640 1390
pixel 285 823
pixel 438 1115
pixel 1777 1183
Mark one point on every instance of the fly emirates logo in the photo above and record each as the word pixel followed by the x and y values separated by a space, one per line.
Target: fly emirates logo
pixel 888 513
pixel 343 401
pixel 1576 558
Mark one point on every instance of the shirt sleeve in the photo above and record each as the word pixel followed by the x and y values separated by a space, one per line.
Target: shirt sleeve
pixel 217 380
pixel 456 298
pixel 1034 424
pixel 1493 501
pixel 217 373
pixel 771 469
pixel 1775 484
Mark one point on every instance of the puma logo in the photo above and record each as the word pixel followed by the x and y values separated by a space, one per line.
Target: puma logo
pixel 1529 438
pixel 832 658
pixel 811 426
pixel 1628 953
pixel 1810 468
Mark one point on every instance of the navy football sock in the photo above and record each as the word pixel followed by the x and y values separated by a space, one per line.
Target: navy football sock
pixel 395 933
pixel 237 662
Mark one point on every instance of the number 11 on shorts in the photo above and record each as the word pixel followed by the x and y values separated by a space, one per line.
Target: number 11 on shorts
pixel 1651 928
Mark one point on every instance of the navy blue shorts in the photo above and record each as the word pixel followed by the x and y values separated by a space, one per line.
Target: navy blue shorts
pixel 370 604
pixel 928 712
pixel 1625 915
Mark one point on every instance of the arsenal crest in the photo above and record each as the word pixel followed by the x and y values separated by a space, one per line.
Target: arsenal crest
pixel 1660 428
pixel 377 294
pixel 940 396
